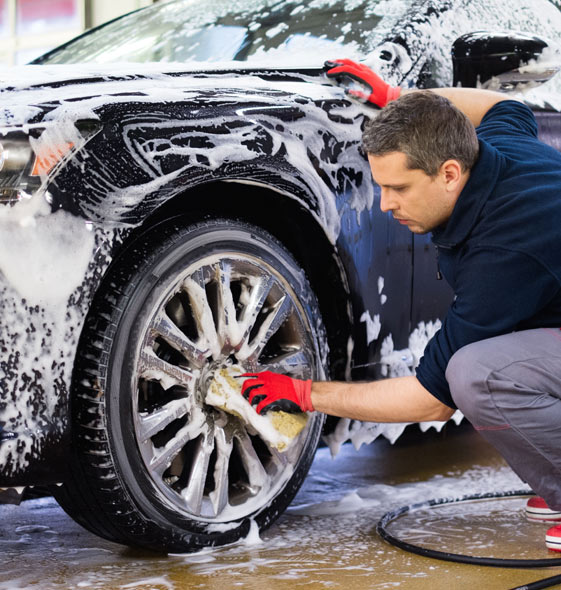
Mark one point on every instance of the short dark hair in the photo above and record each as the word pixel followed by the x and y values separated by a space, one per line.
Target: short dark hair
pixel 427 128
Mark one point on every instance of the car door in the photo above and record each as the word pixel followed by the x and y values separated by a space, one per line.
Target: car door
pixel 379 255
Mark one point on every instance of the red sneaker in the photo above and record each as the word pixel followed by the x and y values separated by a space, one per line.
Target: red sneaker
pixel 553 538
pixel 538 511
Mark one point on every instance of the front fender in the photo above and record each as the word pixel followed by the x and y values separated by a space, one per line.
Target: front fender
pixel 307 148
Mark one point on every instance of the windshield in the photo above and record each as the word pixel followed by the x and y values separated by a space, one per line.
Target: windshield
pixel 235 30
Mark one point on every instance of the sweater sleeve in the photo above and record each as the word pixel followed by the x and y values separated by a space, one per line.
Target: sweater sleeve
pixel 508 117
pixel 496 290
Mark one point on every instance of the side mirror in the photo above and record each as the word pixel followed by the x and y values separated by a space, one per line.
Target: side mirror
pixel 502 60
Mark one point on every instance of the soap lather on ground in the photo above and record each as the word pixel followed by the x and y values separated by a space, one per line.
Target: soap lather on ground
pixel 278 429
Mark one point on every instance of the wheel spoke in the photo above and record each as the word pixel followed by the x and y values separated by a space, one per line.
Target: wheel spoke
pixel 249 314
pixel 228 330
pixel 280 460
pixel 195 288
pixel 153 368
pixel 256 473
pixel 274 320
pixel 165 328
pixel 193 493
pixel 152 423
pixel 162 460
pixel 219 496
pixel 294 363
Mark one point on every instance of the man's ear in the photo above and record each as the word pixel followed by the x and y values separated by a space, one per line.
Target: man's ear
pixel 451 173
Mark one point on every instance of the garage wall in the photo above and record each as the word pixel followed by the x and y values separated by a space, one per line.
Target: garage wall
pixel 29 28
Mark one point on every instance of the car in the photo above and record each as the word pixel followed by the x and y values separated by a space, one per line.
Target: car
pixel 183 190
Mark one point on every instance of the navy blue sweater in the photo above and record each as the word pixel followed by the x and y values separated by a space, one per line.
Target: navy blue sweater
pixel 500 251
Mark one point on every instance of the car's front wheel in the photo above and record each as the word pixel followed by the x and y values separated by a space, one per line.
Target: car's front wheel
pixel 153 465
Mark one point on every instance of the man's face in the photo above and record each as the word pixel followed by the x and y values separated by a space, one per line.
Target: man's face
pixel 415 199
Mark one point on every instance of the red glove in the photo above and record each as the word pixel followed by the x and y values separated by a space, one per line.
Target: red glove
pixel 371 87
pixel 271 391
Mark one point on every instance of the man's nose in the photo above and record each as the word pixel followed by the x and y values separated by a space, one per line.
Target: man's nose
pixel 386 203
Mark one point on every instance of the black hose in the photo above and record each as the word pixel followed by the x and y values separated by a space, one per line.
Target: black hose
pixel 443 555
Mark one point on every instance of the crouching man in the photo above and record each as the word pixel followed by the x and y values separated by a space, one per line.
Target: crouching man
pixel 466 165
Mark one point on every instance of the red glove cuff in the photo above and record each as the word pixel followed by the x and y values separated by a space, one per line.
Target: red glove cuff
pixel 393 93
pixel 304 392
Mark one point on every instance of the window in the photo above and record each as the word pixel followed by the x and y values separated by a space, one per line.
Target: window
pixel 41 16
pixel 30 28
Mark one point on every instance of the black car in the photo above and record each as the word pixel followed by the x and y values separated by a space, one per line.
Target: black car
pixel 182 189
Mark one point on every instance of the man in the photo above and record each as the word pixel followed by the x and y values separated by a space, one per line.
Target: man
pixel 492 200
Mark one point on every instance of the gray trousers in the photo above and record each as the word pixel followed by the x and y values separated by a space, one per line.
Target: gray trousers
pixel 509 388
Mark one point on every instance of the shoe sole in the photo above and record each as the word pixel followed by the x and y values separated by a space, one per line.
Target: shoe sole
pixel 542 515
pixel 553 543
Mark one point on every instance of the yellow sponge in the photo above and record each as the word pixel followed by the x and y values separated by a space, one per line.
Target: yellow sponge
pixel 279 429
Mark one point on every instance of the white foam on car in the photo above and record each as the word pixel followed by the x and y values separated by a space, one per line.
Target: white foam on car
pixel 373 326
pixel 394 363
pixel 44 256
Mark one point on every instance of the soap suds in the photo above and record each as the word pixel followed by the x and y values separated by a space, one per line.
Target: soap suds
pixel 43 309
pixel 253 539
pixel 373 326
pixel 394 363
pixel 477 480
pixel 54 249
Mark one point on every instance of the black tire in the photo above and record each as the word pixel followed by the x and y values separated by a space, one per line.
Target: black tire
pixel 131 411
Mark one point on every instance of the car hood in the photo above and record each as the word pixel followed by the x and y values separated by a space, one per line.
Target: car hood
pixel 29 76
pixel 35 92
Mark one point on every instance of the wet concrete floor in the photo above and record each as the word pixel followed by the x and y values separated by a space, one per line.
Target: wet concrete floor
pixel 326 539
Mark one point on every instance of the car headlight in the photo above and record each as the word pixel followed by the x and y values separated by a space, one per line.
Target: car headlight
pixel 17 161
pixel 27 159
